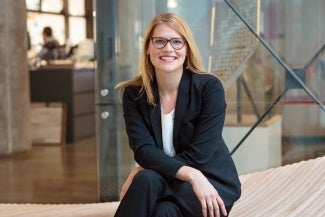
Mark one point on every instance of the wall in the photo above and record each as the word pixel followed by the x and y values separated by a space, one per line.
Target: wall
pixel 14 88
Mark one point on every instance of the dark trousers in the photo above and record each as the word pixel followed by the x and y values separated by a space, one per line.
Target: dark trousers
pixel 150 195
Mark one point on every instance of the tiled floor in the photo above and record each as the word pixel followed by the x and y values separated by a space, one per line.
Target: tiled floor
pixel 68 174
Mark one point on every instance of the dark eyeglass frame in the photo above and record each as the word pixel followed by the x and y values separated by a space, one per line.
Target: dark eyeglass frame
pixel 168 40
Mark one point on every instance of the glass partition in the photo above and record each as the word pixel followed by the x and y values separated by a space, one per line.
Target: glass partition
pixel 118 53
pixel 292 31
pixel 273 75
pixel 289 62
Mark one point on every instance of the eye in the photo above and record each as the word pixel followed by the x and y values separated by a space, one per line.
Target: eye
pixel 160 41
pixel 177 41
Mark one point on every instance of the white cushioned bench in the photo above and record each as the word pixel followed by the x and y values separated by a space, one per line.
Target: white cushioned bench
pixel 291 190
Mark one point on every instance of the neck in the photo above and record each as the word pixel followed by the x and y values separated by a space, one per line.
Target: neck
pixel 168 83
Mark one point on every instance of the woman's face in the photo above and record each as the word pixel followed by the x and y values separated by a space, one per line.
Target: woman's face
pixel 167 59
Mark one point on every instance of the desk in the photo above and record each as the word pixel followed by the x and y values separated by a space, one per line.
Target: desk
pixel 75 88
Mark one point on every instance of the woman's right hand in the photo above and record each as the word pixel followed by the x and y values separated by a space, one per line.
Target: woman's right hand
pixel 128 181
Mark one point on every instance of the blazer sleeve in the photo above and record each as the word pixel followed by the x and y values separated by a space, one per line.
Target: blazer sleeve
pixel 141 140
pixel 206 140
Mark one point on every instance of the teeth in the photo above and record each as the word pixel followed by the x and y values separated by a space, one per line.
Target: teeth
pixel 167 58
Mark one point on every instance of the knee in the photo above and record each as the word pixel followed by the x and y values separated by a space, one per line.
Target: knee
pixel 146 177
pixel 166 209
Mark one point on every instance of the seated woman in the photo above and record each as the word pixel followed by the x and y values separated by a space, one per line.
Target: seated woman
pixel 174 115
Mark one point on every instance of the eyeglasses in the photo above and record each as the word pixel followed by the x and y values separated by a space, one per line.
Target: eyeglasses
pixel 176 43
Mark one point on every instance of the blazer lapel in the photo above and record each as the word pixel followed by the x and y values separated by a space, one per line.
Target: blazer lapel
pixel 155 117
pixel 181 104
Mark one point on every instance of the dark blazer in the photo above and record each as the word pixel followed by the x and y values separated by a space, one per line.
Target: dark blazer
pixel 197 136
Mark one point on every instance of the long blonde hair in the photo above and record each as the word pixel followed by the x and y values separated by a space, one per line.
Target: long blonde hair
pixel 146 74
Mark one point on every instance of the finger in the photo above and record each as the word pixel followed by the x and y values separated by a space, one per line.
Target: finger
pixel 204 208
pixel 211 209
pixel 216 208
pixel 221 206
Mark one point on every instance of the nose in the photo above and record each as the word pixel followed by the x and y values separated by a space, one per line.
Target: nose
pixel 168 46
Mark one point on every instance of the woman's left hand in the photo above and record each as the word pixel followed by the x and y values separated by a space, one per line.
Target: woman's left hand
pixel 208 196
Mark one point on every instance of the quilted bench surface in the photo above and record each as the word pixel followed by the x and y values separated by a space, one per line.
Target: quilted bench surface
pixel 291 190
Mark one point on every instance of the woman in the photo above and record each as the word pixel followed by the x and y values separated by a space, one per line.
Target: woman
pixel 174 114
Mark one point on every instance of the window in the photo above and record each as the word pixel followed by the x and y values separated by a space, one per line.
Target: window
pixel 77 30
pixel 77 21
pixel 76 7
pixel 55 6
pixel 68 24
pixel 33 4
pixel 37 21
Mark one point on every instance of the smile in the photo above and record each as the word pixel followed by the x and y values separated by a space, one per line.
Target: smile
pixel 167 58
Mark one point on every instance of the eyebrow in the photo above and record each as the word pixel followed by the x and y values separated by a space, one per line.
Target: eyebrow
pixel 166 38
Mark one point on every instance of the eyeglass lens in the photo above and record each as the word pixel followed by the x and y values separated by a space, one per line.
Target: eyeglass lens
pixel 177 43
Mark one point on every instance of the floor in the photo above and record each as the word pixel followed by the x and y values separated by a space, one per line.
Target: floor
pixel 68 173
pixel 51 174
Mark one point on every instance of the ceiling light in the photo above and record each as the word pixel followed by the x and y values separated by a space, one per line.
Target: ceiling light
pixel 171 3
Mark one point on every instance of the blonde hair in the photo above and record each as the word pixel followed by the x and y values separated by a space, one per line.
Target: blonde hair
pixel 146 74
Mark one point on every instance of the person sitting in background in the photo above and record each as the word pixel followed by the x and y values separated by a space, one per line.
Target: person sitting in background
pixel 50 48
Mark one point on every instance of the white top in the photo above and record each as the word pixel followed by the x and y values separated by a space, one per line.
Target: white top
pixel 167 125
